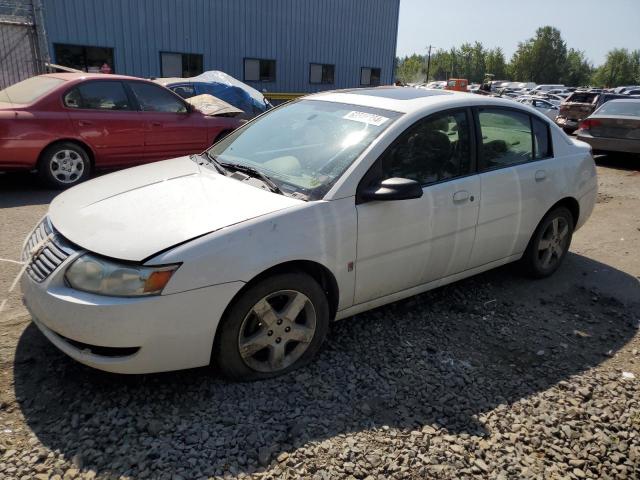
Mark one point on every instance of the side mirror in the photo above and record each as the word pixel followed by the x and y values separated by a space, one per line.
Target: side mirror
pixel 393 189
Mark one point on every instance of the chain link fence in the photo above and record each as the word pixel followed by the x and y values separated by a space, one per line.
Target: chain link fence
pixel 23 50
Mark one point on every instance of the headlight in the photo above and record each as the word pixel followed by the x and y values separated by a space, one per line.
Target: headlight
pixel 105 277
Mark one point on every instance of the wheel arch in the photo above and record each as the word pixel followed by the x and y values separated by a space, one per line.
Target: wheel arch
pixel 570 204
pixel 88 149
pixel 315 270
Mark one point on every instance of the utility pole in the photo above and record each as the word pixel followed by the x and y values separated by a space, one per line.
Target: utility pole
pixel 429 62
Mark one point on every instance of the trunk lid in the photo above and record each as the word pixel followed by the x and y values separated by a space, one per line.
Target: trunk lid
pixel 578 105
pixel 624 127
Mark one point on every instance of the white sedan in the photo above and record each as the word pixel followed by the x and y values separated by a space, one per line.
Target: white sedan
pixel 546 107
pixel 325 207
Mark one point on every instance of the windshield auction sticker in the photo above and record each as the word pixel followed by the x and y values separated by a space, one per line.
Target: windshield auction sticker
pixel 364 117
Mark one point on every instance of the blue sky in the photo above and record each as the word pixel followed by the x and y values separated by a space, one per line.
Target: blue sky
pixel 594 26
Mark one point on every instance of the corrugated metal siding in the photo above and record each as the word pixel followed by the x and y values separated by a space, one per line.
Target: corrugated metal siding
pixel 348 33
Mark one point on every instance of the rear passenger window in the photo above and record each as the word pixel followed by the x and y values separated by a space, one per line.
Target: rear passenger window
pixel 433 149
pixel 506 138
pixel 98 96
pixel 541 139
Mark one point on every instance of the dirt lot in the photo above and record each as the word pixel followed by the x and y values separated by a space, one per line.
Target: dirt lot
pixel 495 376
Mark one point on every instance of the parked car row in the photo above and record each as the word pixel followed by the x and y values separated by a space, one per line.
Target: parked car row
pixel 66 125
pixel 582 103
pixel 605 119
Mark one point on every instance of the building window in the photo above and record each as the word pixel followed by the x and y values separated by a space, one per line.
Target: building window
pixel 181 65
pixel 321 73
pixel 370 76
pixel 259 70
pixel 87 59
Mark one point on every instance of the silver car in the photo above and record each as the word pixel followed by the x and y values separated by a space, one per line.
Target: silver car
pixel 614 127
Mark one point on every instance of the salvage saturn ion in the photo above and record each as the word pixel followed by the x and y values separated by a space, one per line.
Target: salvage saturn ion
pixel 322 208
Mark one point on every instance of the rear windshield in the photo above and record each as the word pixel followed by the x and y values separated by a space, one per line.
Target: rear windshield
pixel 29 90
pixel 621 108
pixel 582 97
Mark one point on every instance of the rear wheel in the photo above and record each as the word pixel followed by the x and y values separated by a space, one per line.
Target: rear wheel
pixel 64 165
pixel 549 244
pixel 275 326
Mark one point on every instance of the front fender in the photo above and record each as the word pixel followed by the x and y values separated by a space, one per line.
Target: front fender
pixel 324 232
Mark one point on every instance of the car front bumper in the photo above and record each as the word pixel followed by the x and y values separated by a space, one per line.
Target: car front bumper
pixel 605 144
pixel 128 335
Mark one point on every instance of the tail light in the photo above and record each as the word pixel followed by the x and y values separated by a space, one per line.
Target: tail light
pixel 589 123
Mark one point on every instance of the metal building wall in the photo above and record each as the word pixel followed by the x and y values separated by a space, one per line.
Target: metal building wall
pixel 348 33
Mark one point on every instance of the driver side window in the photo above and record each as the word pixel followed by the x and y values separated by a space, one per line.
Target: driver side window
pixel 153 98
pixel 435 148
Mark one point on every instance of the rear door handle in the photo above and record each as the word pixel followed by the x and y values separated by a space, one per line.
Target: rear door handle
pixel 460 196
pixel 540 175
pixel 84 123
pixel 156 124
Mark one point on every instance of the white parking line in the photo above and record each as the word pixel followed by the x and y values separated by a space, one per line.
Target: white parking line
pixel 3 303
pixel 10 261
pixel 15 280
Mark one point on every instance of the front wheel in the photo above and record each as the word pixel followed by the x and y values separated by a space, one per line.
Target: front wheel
pixel 64 165
pixel 275 326
pixel 549 244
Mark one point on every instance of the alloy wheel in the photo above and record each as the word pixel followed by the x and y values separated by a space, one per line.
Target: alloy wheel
pixel 553 243
pixel 277 331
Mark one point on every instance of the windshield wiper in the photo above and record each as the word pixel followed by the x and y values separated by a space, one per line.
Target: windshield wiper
pixel 253 172
pixel 222 167
pixel 217 165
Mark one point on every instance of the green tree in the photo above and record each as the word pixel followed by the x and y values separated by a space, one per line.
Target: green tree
pixel 544 58
pixel 577 70
pixel 440 65
pixel 541 59
pixel 410 69
pixel 621 67
pixel 495 64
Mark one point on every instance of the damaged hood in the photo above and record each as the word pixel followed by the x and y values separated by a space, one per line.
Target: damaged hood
pixel 210 105
pixel 135 213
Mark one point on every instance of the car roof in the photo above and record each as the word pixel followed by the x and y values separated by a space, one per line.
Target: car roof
pixel 407 99
pixel 624 100
pixel 171 80
pixel 90 76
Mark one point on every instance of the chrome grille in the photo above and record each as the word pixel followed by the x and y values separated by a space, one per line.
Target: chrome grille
pixel 44 251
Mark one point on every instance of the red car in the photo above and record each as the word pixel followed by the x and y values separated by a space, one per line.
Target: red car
pixel 67 124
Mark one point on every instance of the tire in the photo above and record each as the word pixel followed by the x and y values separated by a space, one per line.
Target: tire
pixel 540 262
pixel 273 343
pixel 55 173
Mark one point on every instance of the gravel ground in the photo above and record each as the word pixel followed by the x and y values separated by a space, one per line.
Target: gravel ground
pixel 496 376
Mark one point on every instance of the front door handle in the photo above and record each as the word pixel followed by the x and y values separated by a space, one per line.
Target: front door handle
pixel 84 123
pixel 460 196
pixel 156 124
pixel 540 175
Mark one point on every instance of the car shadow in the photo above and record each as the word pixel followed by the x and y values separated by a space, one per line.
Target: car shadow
pixel 18 189
pixel 436 361
pixel 619 161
